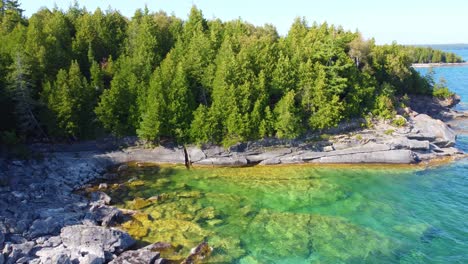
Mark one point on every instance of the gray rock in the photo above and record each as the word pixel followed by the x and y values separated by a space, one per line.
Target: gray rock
pixel 328 148
pixel 95 240
pixel 214 151
pixel 366 148
pixel 90 259
pixel 46 226
pixel 195 154
pixel 55 255
pixel 2 239
pixel 268 155
pixel 110 176
pixel 224 161
pixel 110 217
pixel 391 156
pixel 444 136
pixel 2 259
pixel 100 198
pixel 418 145
pixel 272 161
pixel 168 155
pixel 143 255
pixel 198 253
pixel 122 167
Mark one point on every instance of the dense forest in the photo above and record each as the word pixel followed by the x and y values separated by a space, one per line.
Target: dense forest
pixel 430 55
pixel 73 75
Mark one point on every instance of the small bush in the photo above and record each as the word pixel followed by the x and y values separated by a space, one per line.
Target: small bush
pixel 442 93
pixel 325 137
pixel 389 131
pixel 359 137
pixel 399 122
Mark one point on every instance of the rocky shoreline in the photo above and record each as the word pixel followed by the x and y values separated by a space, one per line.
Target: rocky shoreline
pixel 43 219
pixel 429 65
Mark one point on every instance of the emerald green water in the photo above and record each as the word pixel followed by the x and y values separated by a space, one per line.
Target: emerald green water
pixel 304 214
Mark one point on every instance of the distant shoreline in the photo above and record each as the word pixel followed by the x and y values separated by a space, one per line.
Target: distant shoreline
pixel 428 65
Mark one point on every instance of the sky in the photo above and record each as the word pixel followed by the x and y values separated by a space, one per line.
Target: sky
pixel 403 21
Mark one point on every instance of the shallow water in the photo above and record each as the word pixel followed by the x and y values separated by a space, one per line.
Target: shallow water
pixel 305 214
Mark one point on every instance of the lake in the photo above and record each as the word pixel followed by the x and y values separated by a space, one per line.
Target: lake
pixel 308 214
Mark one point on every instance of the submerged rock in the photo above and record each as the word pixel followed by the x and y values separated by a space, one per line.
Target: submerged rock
pixel 143 255
pixel 198 253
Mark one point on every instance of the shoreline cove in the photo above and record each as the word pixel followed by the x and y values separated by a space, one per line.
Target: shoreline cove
pixel 40 206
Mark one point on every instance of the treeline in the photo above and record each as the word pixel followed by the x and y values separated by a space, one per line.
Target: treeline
pixel 79 74
pixel 430 55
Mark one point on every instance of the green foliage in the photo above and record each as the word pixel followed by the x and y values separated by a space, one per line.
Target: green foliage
pixel 399 122
pixel 430 55
pixel 389 132
pixel 87 73
pixel 441 90
pixel 288 121
pixel 70 99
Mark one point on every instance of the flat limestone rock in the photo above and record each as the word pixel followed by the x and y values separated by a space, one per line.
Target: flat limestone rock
pixel 400 156
pixel 268 155
pixel 224 161
pixel 170 155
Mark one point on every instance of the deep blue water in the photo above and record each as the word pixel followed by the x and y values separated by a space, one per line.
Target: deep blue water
pixel 456 76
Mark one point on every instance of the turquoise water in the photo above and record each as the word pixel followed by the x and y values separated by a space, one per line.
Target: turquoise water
pixel 304 214
pixel 307 214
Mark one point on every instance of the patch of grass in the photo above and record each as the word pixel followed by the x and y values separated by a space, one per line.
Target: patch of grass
pixel 325 137
pixel 399 122
pixel 389 132
pixel 358 137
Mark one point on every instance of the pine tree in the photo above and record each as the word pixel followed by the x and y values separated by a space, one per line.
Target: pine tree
pixel 288 122
pixel 71 101
pixel 153 120
pixel 117 109
pixel 21 88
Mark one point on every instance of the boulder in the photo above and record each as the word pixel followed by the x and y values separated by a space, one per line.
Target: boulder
pixel 54 255
pixel 90 259
pixel 99 241
pixel 46 226
pixel 100 198
pixel 433 128
pixel 198 253
pixel 143 255
pixel 328 148
pixel 195 154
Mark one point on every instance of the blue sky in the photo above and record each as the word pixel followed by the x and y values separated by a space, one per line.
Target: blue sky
pixel 404 21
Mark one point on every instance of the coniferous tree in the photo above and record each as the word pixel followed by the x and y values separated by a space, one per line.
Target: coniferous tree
pixel 288 122
pixel 21 89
